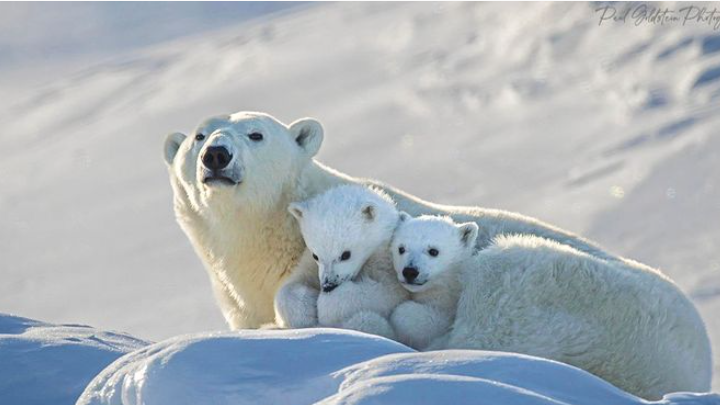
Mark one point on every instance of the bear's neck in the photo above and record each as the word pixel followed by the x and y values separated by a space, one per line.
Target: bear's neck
pixel 316 178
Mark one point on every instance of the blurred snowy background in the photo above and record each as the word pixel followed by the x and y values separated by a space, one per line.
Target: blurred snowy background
pixel 610 131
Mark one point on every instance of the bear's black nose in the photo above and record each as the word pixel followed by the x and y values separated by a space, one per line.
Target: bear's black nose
pixel 410 274
pixel 216 157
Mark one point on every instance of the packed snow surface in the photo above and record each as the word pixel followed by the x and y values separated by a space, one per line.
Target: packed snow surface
pixel 43 364
pixel 330 366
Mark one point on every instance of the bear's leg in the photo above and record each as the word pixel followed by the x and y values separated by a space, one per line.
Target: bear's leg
pixel 231 310
pixel 370 322
pixel 296 306
pixel 417 325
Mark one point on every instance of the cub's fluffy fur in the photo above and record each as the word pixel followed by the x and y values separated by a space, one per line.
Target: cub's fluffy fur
pixel 428 255
pixel 347 230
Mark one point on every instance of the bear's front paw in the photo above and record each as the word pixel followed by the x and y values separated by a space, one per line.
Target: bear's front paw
pixel 337 305
pixel 370 322
pixel 415 324
pixel 295 307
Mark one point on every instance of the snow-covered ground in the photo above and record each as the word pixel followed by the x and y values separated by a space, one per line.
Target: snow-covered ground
pixel 42 40
pixel 48 364
pixel 333 367
pixel 42 364
pixel 610 131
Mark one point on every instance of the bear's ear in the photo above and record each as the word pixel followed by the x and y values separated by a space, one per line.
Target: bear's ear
pixel 468 233
pixel 404 216
pixel 172 144
pixel 308 134
pixel 297 210
pixel 368 211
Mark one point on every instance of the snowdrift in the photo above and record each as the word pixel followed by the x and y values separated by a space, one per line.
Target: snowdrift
pixel 330 366
pixel 47 364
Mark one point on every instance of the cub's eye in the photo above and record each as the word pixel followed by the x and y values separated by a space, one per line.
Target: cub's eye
pixel 401 250
pixel 256 136
pixel 433 252
pixel 315 257
pixel 345 255
pixel 199 137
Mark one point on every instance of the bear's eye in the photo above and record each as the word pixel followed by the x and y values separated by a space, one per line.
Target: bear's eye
pixel 315 257
pixel 345 255
pixel 256 136
pixel 199 137
pixel 401 250
pixel 433 252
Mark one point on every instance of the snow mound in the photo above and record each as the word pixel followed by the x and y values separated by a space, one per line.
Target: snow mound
pixel 329 366
pixel 245 367
pixel 45 364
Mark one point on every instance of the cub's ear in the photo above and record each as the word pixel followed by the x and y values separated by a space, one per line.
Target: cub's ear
pixel 308 133
pixel 404 216
pixel 468 233
pixel 172 144
pixel 297 210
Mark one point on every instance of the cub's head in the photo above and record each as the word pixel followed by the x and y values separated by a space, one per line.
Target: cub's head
pixel 242 161
pixel 427 247
pixel 343 227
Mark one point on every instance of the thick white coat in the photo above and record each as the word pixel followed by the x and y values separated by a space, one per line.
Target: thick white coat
pixel 250 243
pixel 616 318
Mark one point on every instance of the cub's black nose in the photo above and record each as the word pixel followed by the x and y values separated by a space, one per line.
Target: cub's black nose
pixel 216 157
pixel 410 274
pixel 327 287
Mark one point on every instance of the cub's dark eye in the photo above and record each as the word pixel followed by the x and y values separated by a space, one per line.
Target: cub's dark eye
pixel 345 255
pixel 433 252
pixel 401 250
pixel 315 257
pixel 256 136
pixel 199 137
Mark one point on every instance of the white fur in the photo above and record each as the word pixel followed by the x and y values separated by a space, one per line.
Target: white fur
pixel 296 300
pixel 435 291
pixel 357 291
pixel 618 319
pixel 250 243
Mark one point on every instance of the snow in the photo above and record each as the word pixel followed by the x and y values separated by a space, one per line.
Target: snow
pixel 609 131
pixel 331 366
pixel 37 40
pixel 43 364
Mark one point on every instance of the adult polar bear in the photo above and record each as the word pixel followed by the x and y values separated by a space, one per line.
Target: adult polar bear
pixel 234 178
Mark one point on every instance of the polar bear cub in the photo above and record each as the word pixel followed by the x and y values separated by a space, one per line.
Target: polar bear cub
pixel 347 231
pixel 428 254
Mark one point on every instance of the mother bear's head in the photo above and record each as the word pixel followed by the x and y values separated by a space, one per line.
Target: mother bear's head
pixel 243 160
